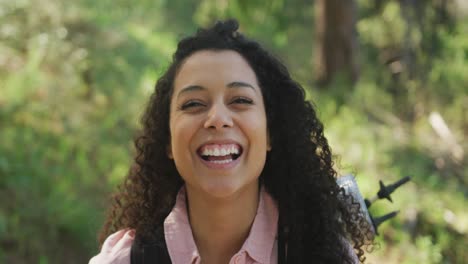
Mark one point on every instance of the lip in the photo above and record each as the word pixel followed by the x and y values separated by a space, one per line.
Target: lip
pixel 224 166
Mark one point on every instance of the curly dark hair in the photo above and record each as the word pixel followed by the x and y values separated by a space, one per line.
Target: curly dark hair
pixel 298 172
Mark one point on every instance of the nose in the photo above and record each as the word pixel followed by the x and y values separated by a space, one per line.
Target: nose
pixel 219 117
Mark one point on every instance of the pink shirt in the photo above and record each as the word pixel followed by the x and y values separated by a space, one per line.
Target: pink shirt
pixel 260 247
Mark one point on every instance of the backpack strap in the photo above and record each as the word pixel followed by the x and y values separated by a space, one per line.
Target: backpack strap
pixel 282 248
pixel 150 252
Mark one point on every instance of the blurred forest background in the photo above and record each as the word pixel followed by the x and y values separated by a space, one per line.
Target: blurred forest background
pixel 389 78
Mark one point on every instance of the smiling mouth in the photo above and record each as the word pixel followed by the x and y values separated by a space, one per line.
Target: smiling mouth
pixel 220 154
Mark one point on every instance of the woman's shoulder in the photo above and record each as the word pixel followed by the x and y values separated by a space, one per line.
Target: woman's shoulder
pixel 116 248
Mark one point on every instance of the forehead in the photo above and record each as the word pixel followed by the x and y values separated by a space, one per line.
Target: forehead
pixel 211 66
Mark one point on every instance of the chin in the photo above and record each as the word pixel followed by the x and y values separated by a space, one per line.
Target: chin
pixel 221 190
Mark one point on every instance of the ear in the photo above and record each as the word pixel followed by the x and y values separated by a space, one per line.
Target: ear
pixel 169 151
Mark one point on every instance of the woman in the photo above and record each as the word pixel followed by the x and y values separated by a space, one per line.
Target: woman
pixel 232 167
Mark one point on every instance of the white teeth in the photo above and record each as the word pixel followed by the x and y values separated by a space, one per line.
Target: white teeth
pixel 220 151
pixel 221 161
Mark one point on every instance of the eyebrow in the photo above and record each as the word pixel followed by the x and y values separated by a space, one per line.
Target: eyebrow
pixel 240 85
pixel 191 88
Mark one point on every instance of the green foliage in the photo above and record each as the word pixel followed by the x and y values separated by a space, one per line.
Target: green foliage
pixel 63 70
pixel 74 78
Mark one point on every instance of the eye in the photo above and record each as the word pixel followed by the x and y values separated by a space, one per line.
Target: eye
pixel 191 104
pixel 242 100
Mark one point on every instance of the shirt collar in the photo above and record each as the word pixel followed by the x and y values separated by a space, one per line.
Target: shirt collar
pixel 258 245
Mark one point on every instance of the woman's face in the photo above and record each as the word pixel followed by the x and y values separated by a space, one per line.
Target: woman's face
pixel 218 125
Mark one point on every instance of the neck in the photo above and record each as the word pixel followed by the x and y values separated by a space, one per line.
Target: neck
pixel 221 225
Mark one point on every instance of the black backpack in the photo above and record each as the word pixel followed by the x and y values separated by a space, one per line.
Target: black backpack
pixel 154 251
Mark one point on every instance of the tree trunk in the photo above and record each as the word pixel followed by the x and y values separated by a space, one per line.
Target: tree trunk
pixel 336 40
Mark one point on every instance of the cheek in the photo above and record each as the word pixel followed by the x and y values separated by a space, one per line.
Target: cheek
pixel 182 131
pixel 262 126
pixel 256 129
